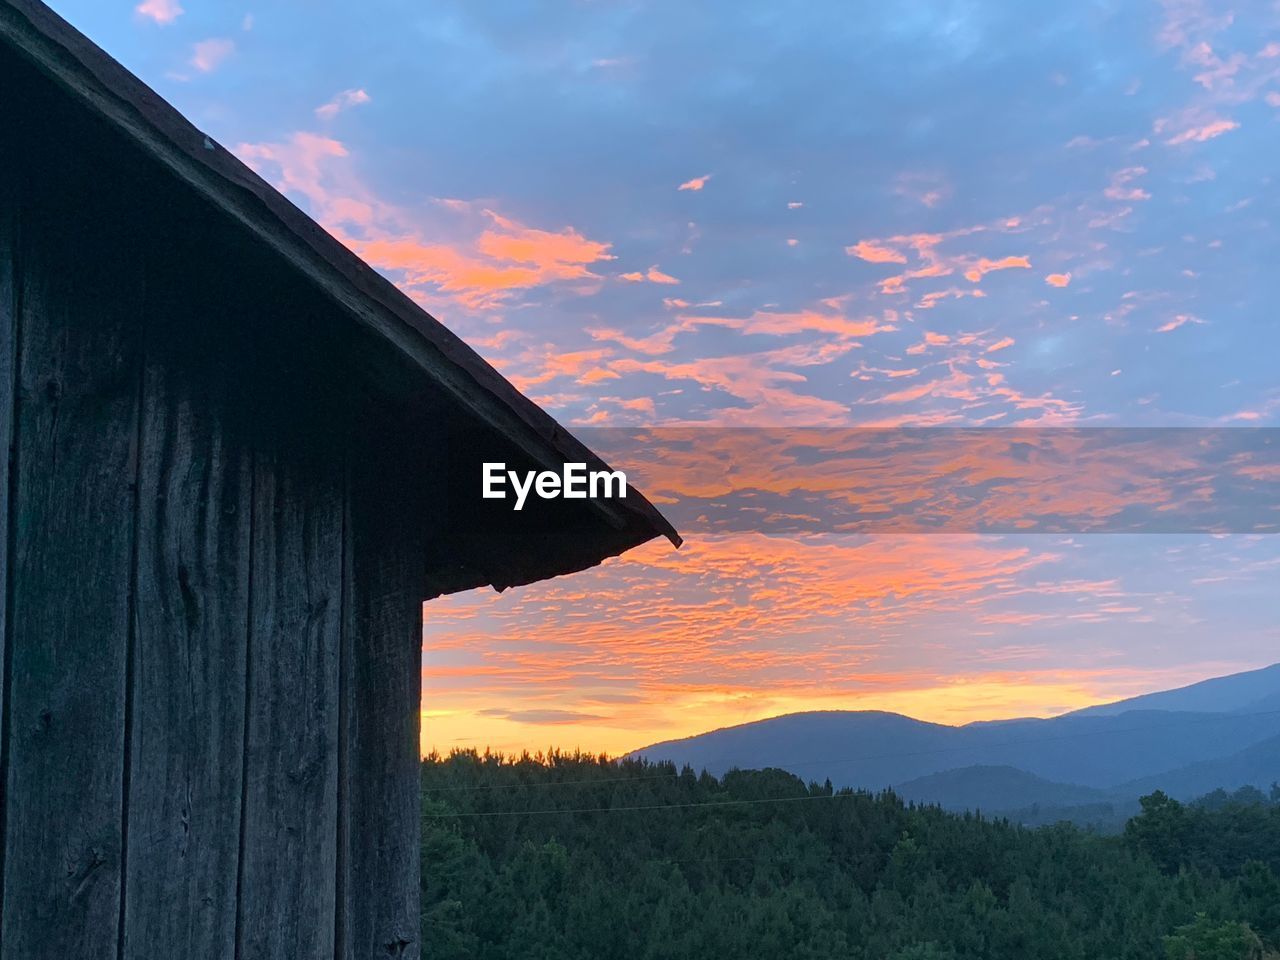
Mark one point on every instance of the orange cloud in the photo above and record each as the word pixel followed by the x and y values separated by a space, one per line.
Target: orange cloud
pixel 873 252
pixel 697 183
pixel 1001 344
pixel 735 628
pixel 759 380
pixel 985 266
pixel 932 261
pixel 493 259
pixel 653 275
pixel 930 299
pixel 652 345
pixel 575 363
pixel 641 404
pixel 563 255
pixel 1058 279
pixel 830 321
pixel 931 339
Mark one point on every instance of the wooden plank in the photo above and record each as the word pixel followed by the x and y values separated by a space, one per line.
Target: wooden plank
pixel 381 821
pixel 73 522
pixel 9 332
pixel 287 895
pixel 189 655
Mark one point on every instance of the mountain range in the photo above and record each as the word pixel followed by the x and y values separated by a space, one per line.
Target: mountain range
pixel 1089 765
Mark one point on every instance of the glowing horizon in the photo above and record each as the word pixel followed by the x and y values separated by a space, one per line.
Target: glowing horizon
pixel 957 701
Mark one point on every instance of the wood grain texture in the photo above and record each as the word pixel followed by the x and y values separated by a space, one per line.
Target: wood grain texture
pixel 9 333
pixel 287 893
pixel 381 822
pixel 193 606
pixel 73 525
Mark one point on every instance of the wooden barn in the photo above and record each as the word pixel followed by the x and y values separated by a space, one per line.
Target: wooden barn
pixel 238 462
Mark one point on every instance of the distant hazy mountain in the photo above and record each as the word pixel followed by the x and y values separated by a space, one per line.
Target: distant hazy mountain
pixel 878 750
pixel 995 789
pixel 1025 798
pixel 1237 693
pixel 1219 733
pixel 1257 765
pixel 865 748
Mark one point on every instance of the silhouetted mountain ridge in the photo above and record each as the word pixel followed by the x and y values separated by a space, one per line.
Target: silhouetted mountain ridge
pixel 1250 691
pixel 994 789
pixel 1101 754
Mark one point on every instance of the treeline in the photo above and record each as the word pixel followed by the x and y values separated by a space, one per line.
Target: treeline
pixel 573 857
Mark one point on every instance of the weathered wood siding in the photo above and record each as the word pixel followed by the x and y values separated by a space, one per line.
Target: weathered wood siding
pixel 378 912
pixel 296 620
pixel 212 565
pixel 72 510
pixel 8 357
pixel 189 656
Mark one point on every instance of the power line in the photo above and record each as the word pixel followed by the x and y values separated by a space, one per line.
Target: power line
pixel 653 806
pixel 551 783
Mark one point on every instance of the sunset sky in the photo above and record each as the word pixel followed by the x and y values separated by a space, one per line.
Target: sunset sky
pixel 743 214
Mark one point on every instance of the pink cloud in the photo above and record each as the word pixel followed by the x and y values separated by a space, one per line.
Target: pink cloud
pixel 343 101
pixel 697 183
pixel 778 323
pixel 208 55
pixel 1202 132
pixel 760 380
pixel 1058 279
pixel 1122 188
pixel 924 188
pixel 163 12
pixel 299 162
pixel 1180 320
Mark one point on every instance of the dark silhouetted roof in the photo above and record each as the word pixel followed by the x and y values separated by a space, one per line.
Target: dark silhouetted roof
pixel 596 530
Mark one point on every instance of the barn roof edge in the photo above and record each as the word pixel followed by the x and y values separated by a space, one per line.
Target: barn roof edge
pixel 111 91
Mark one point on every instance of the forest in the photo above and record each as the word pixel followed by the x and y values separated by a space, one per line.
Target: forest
pixel 574 857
